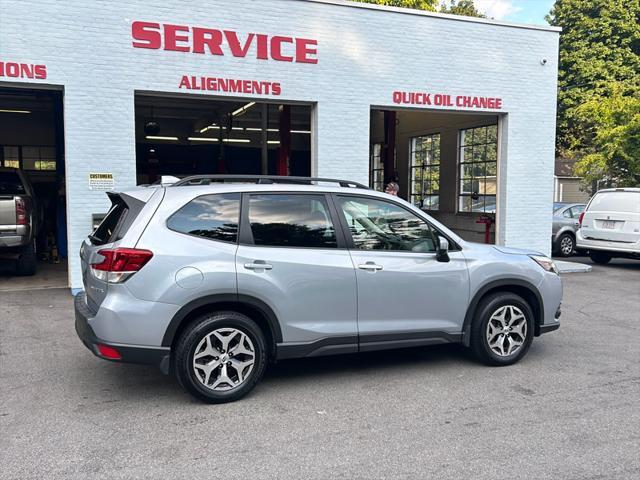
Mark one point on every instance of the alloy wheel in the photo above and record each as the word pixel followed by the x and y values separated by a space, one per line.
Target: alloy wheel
pixel 224 359
pixel 566 245
pixel 506 330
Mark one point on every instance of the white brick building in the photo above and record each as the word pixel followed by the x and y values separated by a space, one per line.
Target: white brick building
pixel 350 72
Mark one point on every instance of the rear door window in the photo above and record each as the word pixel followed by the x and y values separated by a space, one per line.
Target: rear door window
pixel 290 220
pixel 628 202
pixel 577 210
pixel 10 184
pixel 210 216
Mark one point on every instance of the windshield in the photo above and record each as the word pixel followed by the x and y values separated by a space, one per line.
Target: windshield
pixel 628 202
pixel 10 184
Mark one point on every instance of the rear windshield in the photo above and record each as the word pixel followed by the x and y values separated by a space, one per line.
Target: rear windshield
pixel 105 233
pixel 628 202
pixel 10 184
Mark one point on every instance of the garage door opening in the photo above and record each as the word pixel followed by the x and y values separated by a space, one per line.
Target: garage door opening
pixel 33 220
pixel 182 136
pixel 446 163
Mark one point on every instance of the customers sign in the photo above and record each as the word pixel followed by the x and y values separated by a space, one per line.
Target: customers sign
pixel 212 41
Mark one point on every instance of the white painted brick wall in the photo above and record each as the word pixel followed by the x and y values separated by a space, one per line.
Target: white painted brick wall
pixel 364 55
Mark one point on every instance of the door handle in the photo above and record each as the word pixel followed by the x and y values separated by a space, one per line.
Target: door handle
pixel 258 265
pixel 370 266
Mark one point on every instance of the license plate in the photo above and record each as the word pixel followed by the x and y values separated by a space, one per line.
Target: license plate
pixel 609 224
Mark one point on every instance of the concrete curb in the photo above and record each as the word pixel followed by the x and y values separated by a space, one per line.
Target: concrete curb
pixel 572 267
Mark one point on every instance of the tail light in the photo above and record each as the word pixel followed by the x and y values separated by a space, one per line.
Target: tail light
pixel 21 212
pixel 120 263
pixel 580 219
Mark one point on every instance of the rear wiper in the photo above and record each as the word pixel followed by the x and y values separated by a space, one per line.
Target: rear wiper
pixel 95 240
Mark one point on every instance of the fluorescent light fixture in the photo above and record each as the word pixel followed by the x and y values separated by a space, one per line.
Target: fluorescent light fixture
pixel 202 139
pixel 273 142
pixel 237 128
pixel 243 109
pixel 272 130
pixel 300 131
pixel 253 129
pixel 9 110
pixel 236 140
pixel 157 137
pixel 210 127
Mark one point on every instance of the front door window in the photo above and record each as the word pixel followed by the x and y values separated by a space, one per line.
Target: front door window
pixel 379 225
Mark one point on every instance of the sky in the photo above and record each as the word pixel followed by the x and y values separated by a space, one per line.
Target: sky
pixel 520 11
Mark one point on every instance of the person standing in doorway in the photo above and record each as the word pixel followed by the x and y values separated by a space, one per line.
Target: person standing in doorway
pixel 392 188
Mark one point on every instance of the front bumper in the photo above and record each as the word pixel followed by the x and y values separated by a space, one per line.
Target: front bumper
pixel 159 356
pixel 549 328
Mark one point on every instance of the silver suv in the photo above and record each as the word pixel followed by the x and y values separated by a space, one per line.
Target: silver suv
pixel 213 277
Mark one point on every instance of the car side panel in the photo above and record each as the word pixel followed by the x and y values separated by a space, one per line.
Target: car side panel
pixel 183 267
pixel 311 291
pixel 488 265
pixel 125 319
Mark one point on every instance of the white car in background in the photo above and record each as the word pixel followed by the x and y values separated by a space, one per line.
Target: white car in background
pixel 610 225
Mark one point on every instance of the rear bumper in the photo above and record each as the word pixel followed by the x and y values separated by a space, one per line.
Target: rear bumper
pixel 607 246
pixel 159 356
pixel 12 236
pixel 13 241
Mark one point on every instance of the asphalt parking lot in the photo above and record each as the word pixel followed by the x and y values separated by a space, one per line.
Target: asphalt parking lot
pixel 569 410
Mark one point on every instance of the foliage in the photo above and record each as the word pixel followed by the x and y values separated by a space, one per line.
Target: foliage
pixel 599 58
pixel 429 5
pixel 461 7
pixel 456 7
pixel 614 124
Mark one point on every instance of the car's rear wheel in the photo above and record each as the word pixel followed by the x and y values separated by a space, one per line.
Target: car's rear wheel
pixel 566 245
pixel 220 357
pixel 26 263
pixel 502 331
pixel 601 258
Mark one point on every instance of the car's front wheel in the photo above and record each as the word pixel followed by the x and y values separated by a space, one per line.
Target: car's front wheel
pixel 220 357
pixel 502 331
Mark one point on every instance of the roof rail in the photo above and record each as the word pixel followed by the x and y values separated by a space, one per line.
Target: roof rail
pixel 262 179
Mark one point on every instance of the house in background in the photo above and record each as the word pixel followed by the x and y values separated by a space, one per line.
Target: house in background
pixel 567 187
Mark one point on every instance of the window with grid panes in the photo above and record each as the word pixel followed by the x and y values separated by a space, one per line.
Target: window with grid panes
pixel 478 163
pixel 11 157
pixel 376 168
pixel 425 171
pixel 38 158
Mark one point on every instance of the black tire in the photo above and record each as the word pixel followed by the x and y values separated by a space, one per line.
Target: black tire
pixel 26 263
pixel 195 333
pixel 486 308
pixel 566 245
pixel 601 258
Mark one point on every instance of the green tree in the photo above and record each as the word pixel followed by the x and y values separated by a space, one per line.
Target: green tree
pixel 429 5
pixel 461 7
pixel 456 7
pixel 599 62
pixel 614 125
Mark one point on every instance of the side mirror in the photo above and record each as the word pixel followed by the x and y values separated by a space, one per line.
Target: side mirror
pixel 442 254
